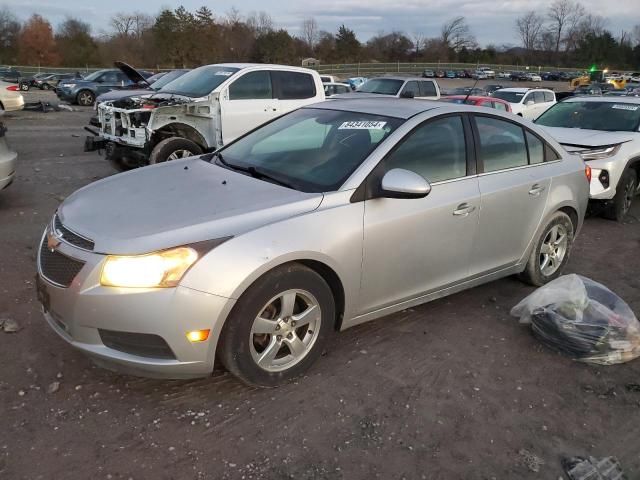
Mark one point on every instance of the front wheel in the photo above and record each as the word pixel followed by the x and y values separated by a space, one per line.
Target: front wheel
pixel 45 86
pixel 24 87
pixel 279 327
pixel 551 251
pixel 173 148
pixel 86 98
pixel 625 192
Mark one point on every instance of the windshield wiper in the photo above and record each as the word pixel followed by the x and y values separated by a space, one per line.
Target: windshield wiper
pixel 254 172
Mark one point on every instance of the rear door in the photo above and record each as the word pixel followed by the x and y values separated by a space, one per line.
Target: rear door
pixel 410 88
pixel 514 179
pixel 414 246
pixel 428 90
pixel 293 90
pixel 247 103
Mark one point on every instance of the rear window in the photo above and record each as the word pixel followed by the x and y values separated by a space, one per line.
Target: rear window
pixel 293 85
pixel 428 89
pixel 382 86
pixel 511 97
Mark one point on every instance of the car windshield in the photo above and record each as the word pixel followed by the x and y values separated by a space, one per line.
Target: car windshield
pixel 167 78
pixel 511 97
pixel 605 116
pixel 199 82
pixel 311 150
pixel 93 76
pixel 382 86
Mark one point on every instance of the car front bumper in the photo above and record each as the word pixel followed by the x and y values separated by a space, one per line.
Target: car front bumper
pixel 14 103
pixel 66 94
pixel 82 312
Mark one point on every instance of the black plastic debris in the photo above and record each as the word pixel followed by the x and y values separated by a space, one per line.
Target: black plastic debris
pixel 591 468
pixel 46 107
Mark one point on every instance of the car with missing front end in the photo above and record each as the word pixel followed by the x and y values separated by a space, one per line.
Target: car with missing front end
pixel 200 111
pixel 324 218
pixel 605 132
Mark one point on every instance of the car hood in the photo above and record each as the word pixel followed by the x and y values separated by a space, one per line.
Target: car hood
pixel 578 139
pixel 132 74
pixel 120 94
pixel 177 203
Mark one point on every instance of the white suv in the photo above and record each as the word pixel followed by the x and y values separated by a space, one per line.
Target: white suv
pixel 527 102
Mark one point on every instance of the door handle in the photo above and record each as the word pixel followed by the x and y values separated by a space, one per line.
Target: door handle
pixel 536 190
pixel 463 210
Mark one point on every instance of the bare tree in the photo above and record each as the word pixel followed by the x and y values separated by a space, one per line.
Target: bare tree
pixel 565 16
pixel 529 27
pixel 233 16
pixel 310 32
pixel 418 40
pixel 456 34
pixel 260 22
pixel 636 34
pixel 131 24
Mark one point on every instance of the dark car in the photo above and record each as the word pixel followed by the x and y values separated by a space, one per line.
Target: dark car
pixel 492 88
pixel 34 78
pixel 551 76
pixel 50 82
pixel 440 74
pixel 153 84
pixel 465 91
pixel 84 91
pixel 518 76
pixel 14 76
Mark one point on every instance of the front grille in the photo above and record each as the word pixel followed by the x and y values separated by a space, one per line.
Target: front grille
pixel 140 344
pixel 71 237
pixel 58 268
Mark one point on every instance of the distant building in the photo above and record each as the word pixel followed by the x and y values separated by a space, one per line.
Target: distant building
pixel 310 62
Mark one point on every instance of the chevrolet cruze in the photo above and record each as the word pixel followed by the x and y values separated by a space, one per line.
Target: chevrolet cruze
pixel 327 217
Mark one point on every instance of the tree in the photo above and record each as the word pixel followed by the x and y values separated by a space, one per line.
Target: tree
pixel 529 28
pixel 310 32
pixel 565 15
pixel 274 47
pixel 37 45
pixel 394 47
pixel 9 36
pixel 418 40
pixel 260 22
pixel 347 45
pixel 75 44
pixel 456 34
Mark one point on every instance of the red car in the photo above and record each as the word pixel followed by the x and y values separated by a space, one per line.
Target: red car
pixel 489 102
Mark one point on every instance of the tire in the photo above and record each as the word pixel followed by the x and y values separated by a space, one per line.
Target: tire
pixel 535 272
pixel 45 86
pixel 24 87
pixel 241 348
pixel 618 208
pixel 177 147
pixel 86 98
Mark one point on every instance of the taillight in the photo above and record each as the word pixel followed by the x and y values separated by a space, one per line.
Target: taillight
pixel 148 106
pixel 13 88
pixel 587 172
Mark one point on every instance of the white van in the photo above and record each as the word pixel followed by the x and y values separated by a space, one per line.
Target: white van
pixel 200 111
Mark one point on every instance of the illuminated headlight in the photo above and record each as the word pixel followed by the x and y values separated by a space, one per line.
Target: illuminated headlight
pixel 161 269
pixel 68 85
pixel 600 153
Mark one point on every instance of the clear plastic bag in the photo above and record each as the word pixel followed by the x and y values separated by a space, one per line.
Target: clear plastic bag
pixel 583 319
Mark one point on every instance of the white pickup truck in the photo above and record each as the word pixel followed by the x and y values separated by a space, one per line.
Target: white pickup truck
pixel 200 111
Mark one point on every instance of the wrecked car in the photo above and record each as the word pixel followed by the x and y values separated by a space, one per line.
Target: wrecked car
pixel 200 111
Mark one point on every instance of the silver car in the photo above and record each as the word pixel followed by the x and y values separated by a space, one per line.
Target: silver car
pixel 327 217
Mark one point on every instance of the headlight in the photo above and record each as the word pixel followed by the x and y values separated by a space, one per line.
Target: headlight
pixel 68 85
pixel 160 269
pixel 599 153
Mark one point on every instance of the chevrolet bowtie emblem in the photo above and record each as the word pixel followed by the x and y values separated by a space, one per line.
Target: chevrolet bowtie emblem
pixel 52 241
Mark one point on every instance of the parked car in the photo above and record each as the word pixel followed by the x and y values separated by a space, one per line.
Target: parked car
pixel 84 91
pixel 534 77
pixel 400 87
pixel 588 90
pixel 8 158
pixel 32 80
pixel 331 89
pixel 255 254
pixel 504 75
pixel 475 91
pixel 479 75
pixel 492 88
pixel 490 73
pixel 605 131
pixel 527 102
pixel 635 77
pixel 488 102
pixel 451 74
pixel 440 74
pixel 201 110
pixel 143 87
pixel 551 76
pixel 355 82
pixel 50 82
pixel 328 79
pixel 10 97
pixel 518 76
pixel 14 76
pixel 428 74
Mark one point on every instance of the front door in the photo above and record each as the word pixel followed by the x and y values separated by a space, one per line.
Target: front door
pixel 414 246
pixel 246 104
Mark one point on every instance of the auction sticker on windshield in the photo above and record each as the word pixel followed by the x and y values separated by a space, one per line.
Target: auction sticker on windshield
pixel 362 126
pixel 632 108
pixel 224 74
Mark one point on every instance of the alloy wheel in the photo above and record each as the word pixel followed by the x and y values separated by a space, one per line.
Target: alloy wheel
pixel 553 250
pixel 629 193
pixel 285 330
pixel 177 154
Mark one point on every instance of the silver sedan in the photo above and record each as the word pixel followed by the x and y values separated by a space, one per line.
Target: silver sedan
pixel 327 217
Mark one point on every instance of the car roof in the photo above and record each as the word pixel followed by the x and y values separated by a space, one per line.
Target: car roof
pixel 243 66
pixel 386 106
pixel 612 99
pixel 397 77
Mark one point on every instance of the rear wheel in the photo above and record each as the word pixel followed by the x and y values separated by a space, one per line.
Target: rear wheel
pixel 45 86
pixel 279 326
pixel 85 98
pixel 173 148
pixel 24 86
pixel 551 251
pixel 625 193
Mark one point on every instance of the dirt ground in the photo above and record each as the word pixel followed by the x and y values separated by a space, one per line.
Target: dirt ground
pixel 454 389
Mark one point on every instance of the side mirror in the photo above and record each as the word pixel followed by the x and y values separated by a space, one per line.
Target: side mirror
pixel 529 103
pixel 407 95
pixel 401 183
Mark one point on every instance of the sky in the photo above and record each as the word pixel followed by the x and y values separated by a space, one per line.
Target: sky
pixel 491 21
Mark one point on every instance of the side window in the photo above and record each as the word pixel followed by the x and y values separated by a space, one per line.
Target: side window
pixel 294 85
pixel 538 97
pixel 109 77
pixel 548 97
pixel 343 89
pixel 486 104
pixel 536 149
pixel 499 106
pixel 252 86
pixel 123 78
pixel 411 87
pixel 501 144
pixel 427 89
pixel 436 150
pixel 528 98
